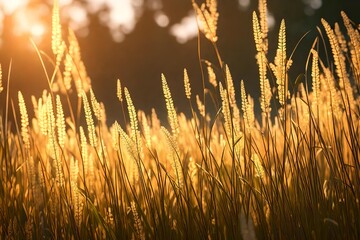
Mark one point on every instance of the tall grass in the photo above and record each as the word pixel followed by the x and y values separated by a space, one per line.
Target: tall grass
pixel 290 173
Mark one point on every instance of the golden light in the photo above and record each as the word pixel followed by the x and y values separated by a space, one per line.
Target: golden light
pixel 30 22
pixel 37 30
pixel 11 6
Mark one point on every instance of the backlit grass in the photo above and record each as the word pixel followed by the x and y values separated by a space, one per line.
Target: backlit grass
pixel 290 171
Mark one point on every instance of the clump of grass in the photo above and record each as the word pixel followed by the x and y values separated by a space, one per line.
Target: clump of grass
pixel 292 172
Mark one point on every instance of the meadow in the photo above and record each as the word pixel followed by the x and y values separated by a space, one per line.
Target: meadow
pixel 288 171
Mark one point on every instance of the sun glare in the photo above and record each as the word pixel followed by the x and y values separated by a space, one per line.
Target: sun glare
pixel 37 30
pixel 9 6
pixel 213 161
pixel 29 18
pixel 26 20
pixel 30 22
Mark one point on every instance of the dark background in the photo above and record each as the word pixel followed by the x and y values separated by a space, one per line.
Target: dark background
pixel 150 50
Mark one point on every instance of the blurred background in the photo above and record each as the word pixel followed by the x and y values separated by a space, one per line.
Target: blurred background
pixel 137 40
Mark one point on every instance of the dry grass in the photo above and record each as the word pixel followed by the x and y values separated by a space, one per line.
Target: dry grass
pixel 292 173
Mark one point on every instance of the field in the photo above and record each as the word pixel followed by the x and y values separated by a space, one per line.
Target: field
pixel 290 170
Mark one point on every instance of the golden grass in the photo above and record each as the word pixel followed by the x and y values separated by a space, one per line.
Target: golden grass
pixel 291 173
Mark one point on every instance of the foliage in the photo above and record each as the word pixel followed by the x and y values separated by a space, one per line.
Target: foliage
pixel 292 173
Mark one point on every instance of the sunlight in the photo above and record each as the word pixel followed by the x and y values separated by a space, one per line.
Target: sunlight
pixel 37 30
pixel 30 22
pixel 280 162
pixel 25 21
pixel 10 6
pixel 77 17
pixel 185 30
pixel 120 16
pixel 28 18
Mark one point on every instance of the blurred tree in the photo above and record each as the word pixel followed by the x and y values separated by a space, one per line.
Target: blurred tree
pixel 150 50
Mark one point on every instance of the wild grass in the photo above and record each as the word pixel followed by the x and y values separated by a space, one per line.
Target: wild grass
pixel 291 172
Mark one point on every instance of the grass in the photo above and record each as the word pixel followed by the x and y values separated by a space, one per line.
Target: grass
pixel 290 173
